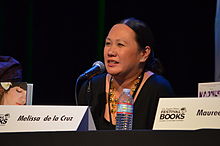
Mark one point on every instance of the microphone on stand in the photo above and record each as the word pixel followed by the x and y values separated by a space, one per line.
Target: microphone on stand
pixel 97 68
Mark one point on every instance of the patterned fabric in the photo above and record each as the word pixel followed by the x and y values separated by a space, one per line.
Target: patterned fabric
pixel 10 69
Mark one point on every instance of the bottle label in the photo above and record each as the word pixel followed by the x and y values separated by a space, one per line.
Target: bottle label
pixel 125 108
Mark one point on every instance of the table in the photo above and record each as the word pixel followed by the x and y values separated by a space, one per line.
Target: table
pixel 209 137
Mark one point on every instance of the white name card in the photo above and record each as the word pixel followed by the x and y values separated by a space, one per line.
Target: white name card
pixel 45 118
pixel 211 89
pixel 187 114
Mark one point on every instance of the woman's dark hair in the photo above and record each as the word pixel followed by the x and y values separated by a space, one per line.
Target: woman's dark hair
pixel 144 37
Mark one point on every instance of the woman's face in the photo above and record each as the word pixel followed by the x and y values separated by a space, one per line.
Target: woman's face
pixel 15 96
pixel 121 54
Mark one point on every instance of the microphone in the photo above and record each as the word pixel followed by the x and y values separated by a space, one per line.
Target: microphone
pixel 97 68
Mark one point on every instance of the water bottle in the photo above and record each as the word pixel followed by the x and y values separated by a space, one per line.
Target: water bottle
pixel 124 117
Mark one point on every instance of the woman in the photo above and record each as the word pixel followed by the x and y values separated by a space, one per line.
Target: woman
pixel 13 93
pixel 130 63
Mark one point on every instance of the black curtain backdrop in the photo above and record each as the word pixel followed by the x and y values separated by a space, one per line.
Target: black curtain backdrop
pixel 56 41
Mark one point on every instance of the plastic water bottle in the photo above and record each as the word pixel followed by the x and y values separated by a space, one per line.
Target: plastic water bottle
pixel 124 117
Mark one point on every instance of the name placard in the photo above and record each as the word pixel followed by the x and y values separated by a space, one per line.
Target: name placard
pixel 211 89
pixel 45 118
pixel 187 114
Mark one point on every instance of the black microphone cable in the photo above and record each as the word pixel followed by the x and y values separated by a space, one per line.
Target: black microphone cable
pixel 76 86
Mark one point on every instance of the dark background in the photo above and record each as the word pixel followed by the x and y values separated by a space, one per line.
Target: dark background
pixel 56 41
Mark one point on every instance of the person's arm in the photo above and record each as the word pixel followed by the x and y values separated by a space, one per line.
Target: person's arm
pixel 82 96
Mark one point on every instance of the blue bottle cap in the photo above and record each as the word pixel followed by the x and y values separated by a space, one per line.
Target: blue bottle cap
pixel 126 90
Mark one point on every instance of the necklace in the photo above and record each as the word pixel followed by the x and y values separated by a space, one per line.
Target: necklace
pixel 113 100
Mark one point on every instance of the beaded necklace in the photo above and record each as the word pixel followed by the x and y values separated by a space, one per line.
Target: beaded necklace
pixel 113 100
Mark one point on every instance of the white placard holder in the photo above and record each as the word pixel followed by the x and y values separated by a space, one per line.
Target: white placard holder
pixel 29 118
pixel 187 114
pixel 29 93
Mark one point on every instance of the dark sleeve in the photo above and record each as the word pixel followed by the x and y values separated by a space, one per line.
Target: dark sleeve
pixel 95 98
pixel 92 91
pixel 155 88
pixel 82 97
pixel 164 88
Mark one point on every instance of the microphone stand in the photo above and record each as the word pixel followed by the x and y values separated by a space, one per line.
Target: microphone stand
pixel 88 91
pixel 97 67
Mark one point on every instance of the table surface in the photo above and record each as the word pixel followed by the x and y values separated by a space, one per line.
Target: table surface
pixel 209 137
